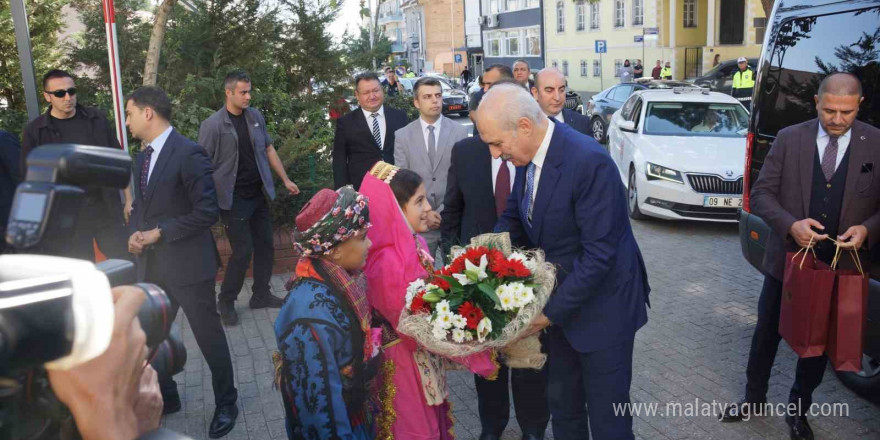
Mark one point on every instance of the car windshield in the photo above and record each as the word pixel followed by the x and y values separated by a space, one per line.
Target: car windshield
pixel 696 119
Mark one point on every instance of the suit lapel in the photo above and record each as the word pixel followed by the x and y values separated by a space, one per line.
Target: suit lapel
pixel 442 141
pixel 807 154
pixel 549 177
pixel 161 162
pixel 858 154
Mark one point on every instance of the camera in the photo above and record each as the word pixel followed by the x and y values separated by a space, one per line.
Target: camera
pixel 57 312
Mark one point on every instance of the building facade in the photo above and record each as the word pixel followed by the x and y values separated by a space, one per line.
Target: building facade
pixel 474 35
pixel 511 30
pixel 391 23
pixel 435 35
pixel 687 33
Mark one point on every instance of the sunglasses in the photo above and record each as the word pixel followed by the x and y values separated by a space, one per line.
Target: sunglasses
pixel 61 93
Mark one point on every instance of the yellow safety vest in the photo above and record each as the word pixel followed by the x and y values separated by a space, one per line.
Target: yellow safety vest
pixel 744 80
pixel 666 72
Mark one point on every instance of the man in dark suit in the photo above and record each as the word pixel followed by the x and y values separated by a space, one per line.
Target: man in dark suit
pixel 366 135
pixel 549 90
pixel 175 206
pixel 9 179
pixel 477 190
pixel 492 74
pixel 569 201
pixel 817 183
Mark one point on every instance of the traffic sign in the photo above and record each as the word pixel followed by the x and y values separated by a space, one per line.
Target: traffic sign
pixel 458 58
pixel 651 31
pixel 601 46
pixel 638 38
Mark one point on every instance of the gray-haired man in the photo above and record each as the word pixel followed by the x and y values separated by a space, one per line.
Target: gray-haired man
pixel 242 154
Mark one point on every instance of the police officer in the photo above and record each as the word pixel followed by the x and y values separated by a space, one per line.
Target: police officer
pixel 743 83
pixel 666 73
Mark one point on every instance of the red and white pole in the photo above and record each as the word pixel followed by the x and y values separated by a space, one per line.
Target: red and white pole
pixel 115 72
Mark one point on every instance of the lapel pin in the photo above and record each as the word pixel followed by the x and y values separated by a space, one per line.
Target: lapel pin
pixel 862 138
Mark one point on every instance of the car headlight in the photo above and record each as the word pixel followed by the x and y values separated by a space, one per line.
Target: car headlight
pixel 657 172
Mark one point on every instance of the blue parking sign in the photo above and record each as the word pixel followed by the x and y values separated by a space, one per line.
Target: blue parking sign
pixel 601 46
pixel 458 58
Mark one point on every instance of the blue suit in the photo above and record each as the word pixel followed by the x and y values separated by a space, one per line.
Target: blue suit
pixel 580 221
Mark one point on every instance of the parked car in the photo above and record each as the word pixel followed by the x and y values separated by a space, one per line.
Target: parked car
pixel 455 100
pixel 720 77
pixel 680 153
pixel 603 104
pixel 791 67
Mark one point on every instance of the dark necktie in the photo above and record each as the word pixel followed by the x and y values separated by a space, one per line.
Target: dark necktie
pixel 829 158
pixel 502 188
pixel 528 201
pixel 377 135
pixel 145 169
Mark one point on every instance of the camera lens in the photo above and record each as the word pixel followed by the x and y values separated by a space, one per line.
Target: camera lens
pixel 170 356
pixel 155 314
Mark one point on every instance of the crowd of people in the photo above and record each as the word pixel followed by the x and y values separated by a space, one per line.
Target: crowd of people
pixel 405 193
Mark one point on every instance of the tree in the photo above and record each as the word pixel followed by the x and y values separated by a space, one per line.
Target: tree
pixel 45 21
pixel 151 69
pixel 358 53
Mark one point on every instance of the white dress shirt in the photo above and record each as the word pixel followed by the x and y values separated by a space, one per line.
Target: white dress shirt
pixel 381 118
pixel 496 167
pixel 842 144
pixel 157 145
pixel 425 131
pixel 560 117
pixel 538 160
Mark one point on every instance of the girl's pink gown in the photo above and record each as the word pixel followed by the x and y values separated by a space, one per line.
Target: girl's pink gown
pixel 414 404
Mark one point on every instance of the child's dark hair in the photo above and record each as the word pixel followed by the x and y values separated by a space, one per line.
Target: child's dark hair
pixel 404 185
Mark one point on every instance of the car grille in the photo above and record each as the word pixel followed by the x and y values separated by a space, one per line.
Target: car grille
pixel 707 184
pixel 453 100
pixel 571 102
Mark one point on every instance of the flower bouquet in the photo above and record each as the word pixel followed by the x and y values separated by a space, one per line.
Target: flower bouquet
pixel 484 299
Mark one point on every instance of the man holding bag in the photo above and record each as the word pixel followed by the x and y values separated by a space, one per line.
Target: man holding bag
pixel 817 184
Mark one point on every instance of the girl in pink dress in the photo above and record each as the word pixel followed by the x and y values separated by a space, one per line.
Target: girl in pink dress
pixel 413 396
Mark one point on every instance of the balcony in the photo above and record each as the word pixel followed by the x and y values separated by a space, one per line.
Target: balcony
pixel 397 47
pixel 395 17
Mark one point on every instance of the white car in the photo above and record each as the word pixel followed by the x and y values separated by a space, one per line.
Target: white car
pixel 681 153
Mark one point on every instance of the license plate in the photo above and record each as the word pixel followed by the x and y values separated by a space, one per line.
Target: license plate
pixel 454 107
pixel 722 202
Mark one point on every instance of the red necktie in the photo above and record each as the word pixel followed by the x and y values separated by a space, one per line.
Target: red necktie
pixel 502 188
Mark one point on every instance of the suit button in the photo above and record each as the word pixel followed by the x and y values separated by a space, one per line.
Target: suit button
pixel 827 185
pixel 825 200
pixel 824 216
pixel 433 179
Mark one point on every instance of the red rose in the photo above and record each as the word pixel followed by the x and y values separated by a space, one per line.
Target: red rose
pixel 418 304
pixel 471 313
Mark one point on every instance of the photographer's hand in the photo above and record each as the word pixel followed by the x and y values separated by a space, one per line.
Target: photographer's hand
pixel 148 404
pixel 101 393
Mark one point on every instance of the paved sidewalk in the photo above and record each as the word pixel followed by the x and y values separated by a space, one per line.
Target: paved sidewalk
pixel 695 346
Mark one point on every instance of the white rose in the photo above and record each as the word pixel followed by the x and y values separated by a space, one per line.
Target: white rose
pixel 458 335
pixel 483 329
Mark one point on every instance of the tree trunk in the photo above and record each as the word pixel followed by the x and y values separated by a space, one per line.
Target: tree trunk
pixel 768 8
pixel 151 68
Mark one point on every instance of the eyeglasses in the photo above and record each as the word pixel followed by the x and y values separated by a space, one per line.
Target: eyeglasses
pixel 61 93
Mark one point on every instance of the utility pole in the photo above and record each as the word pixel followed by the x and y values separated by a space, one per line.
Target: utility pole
pixel 25 58
pixel 372 36
pixel 452 34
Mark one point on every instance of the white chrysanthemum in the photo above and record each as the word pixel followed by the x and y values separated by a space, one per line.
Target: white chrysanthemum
pixel 459 321
pixel 439 333
pixel 483 329
pixel 458 335
pixel 442 307
pixel 468 336
pixel 506 296
pixel 525 296
pixel 412 289
pixel 444 320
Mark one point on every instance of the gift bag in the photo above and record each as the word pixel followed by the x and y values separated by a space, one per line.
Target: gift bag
pixel 849 305
pixel 806 303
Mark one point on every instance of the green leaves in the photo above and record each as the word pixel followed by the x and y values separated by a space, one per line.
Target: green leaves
pixel 489 291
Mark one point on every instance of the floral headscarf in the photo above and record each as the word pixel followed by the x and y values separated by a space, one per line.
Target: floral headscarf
pixel 321 226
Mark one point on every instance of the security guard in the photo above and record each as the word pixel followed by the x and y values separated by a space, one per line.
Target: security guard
pixel 666 73
pixel 743 83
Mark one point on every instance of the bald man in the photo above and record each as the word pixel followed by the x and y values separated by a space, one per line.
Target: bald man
pixel 569 201
pixel 817 183
pixel 549 90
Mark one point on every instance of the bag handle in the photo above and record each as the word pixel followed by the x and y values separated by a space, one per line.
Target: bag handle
pixel 853 253
pixel 804 250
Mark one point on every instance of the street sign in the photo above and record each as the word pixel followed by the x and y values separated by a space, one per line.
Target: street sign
pixel 458 58
pixel 651 37
pixel 652 31
pixel 601 46
pixel 638 38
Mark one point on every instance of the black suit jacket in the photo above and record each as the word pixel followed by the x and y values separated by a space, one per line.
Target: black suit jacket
pixel 355 151
pixel 469 205
pixel 180 200
pixel 577 121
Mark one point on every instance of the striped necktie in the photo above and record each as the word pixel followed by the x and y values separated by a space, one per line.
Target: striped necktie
pixel 377 135
pixel 530 188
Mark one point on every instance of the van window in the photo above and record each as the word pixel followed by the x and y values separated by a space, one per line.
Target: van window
pixel 807 49
pixel 621 93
